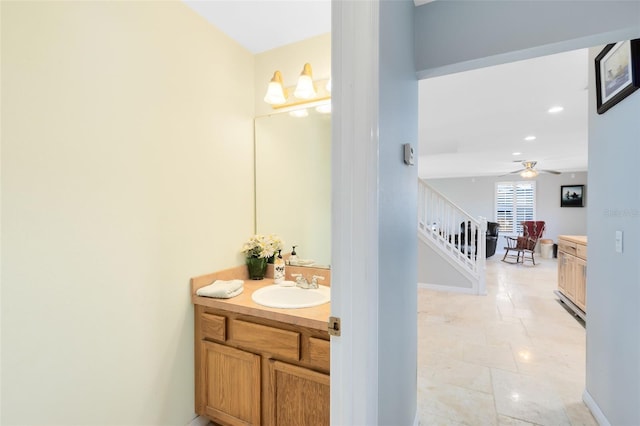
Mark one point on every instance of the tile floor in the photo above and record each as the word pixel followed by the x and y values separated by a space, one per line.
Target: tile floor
pixel 513 357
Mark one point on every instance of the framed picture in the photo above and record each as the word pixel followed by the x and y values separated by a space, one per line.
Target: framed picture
pixel 572 196
pixel 617 73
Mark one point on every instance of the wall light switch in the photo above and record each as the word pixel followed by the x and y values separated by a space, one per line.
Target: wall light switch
pixel 408 154
pixel 618 241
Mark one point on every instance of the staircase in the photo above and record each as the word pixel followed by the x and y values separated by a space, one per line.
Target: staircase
pixel 439 222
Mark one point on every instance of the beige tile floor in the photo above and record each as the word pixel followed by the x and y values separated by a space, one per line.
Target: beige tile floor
pixel 513 357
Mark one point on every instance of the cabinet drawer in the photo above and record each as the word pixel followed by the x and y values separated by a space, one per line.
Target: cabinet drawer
pixel 567 247
pixel 213 327
pixel 262 338
pixel 581 251
pixel 319 352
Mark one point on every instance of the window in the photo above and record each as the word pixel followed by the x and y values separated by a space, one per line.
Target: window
pixel 515 202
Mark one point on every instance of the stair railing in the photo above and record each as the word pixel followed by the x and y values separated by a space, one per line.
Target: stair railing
pixel 441 226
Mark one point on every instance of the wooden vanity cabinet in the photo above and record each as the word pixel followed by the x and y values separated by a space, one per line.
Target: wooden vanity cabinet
pixel 572 273
pixel 254 371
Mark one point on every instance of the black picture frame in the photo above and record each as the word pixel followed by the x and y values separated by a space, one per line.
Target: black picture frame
pixel 617 73
pixel 572 196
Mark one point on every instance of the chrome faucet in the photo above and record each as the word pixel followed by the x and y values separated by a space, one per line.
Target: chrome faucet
pixel 314 281
pixel 302 282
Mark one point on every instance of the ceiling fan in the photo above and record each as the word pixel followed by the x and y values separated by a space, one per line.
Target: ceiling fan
pixel 529 170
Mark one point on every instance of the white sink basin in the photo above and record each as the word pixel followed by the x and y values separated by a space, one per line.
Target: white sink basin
pixel 275 296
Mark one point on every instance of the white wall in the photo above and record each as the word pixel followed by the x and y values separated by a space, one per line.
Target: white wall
pixel 613 279
pixel 436 271
pixel 126 169
pixel 477 197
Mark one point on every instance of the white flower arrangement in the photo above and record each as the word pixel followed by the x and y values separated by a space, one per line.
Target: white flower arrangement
pixel 262 246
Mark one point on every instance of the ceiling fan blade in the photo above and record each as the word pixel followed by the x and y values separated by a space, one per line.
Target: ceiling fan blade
pixel 553 172
pixel 512 173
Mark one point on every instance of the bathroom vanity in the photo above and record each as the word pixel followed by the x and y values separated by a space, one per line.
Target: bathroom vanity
pixel 256 365
pixel 572 273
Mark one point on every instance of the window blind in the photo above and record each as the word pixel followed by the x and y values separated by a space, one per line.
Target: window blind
pixel 515 202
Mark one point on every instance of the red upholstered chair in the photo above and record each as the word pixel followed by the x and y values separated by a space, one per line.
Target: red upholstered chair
pixel 525 245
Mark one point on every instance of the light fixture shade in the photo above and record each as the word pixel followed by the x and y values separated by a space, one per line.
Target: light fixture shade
pixel 304 88
pixel 299 113
pixel 324 108
pixel 275 91
pixel 529 173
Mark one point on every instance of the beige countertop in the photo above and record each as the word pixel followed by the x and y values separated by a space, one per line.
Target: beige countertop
pixel 316 317
pixel 578 239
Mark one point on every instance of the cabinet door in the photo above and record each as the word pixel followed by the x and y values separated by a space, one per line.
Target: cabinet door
pixel 581 284
pixel 566 267
pixel 562 279
pixel 298 396
pixel 231 382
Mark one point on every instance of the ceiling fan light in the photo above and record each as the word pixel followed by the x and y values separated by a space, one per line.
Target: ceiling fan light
pixel 528 173
pixel 304 88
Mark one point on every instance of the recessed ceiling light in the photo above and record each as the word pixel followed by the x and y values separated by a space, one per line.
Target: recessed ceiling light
pixel 530 138
pixel 516 153
pixel 555 109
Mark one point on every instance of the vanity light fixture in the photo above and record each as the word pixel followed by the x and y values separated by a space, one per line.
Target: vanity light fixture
pixel 304 88
pixel 275 92
pixel 324 108
pixel 299 113
pixel 305 92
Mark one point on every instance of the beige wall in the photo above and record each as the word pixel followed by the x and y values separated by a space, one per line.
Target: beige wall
pixel 289 60
pixel 127 167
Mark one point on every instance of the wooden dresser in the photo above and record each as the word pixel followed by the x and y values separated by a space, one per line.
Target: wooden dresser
pixel 572 273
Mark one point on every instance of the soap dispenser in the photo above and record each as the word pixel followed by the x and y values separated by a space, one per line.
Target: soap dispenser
pixel 278 269
pixel 293 259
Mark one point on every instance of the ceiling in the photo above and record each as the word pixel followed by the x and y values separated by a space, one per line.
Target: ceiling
pixel 261 25
pixel 470 123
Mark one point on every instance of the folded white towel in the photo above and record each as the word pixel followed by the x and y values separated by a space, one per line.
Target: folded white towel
pixel 222 289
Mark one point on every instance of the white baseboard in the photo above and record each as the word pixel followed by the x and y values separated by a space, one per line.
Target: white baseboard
pixel 199 421
pixel 595 410
pixel 451 289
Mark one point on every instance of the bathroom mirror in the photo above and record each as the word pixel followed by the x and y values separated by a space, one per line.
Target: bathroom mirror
pixel 293 183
